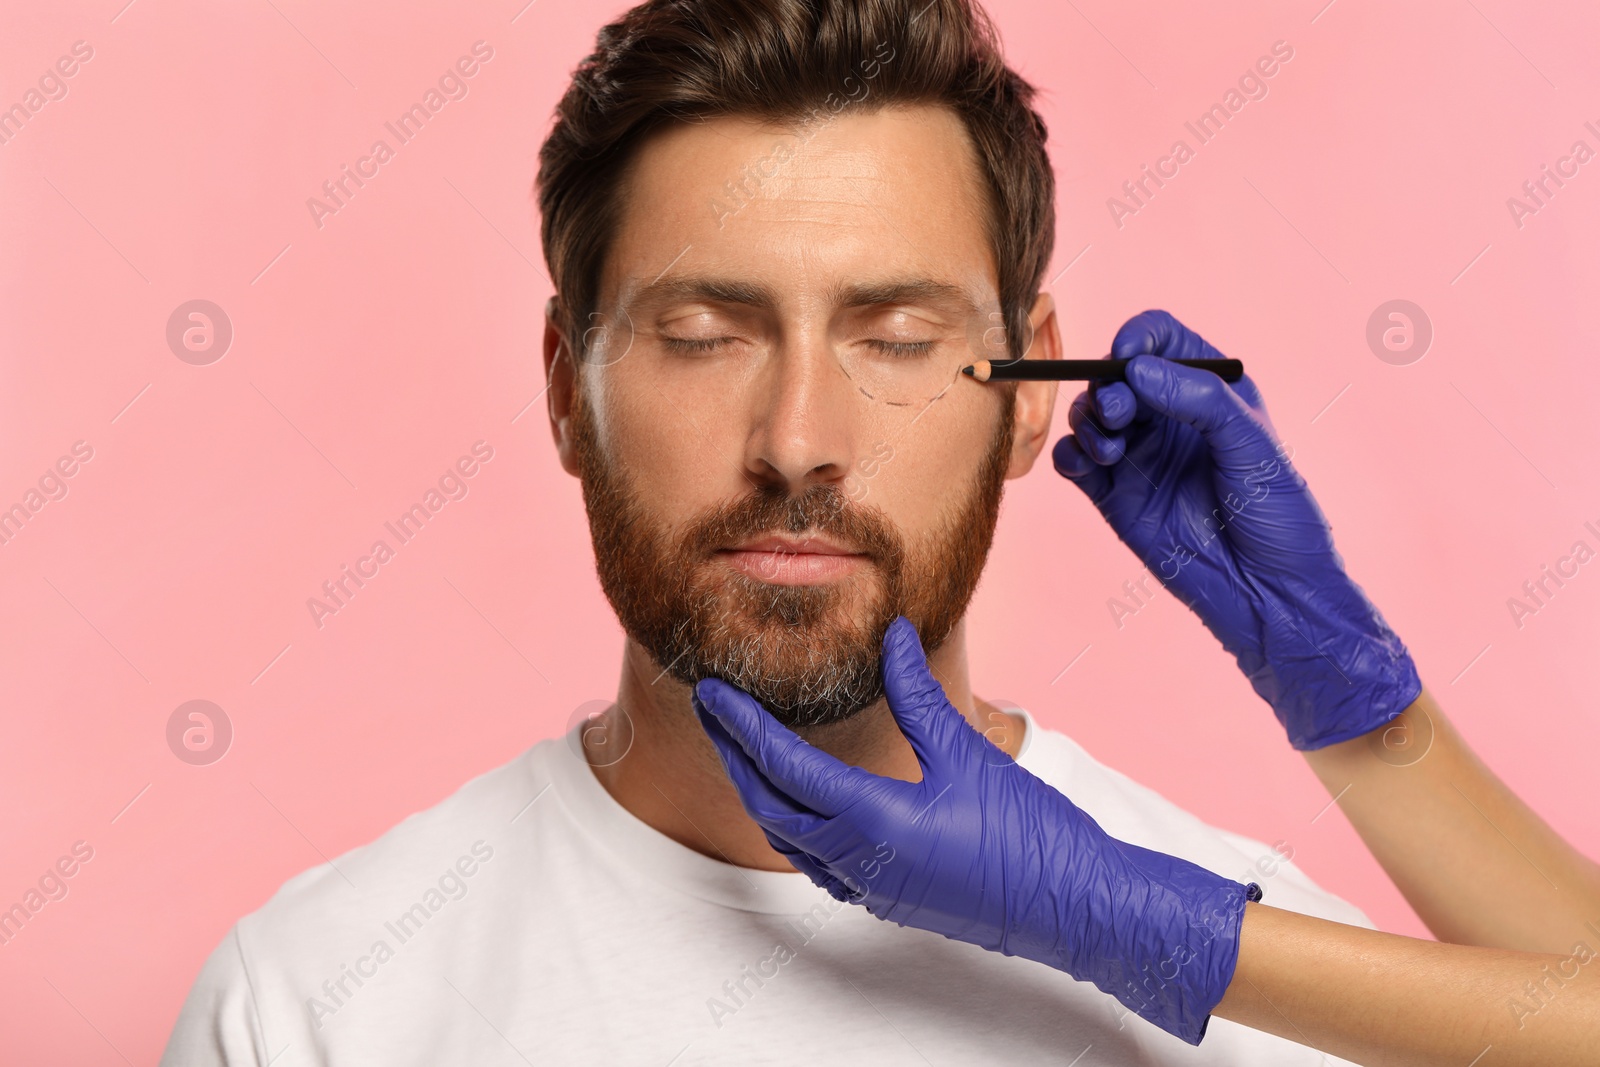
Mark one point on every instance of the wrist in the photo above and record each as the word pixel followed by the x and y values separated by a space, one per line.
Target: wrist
pixel 1169 949
pixel 1333 670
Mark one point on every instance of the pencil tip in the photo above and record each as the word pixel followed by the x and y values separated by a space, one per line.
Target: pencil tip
pixel 967 371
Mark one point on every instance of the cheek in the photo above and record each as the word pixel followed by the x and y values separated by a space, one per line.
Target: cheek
pixel 930 469
pixel 669 455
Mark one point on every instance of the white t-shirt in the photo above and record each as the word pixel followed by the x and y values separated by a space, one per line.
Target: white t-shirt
pixel 531 919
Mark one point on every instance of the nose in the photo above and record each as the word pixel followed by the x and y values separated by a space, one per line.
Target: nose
pixel 805 428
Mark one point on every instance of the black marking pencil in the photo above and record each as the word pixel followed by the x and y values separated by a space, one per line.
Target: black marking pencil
pixel 1088 370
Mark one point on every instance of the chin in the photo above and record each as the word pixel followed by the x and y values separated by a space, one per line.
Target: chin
pixel 826 714
pixel 806 656
pixel 821 611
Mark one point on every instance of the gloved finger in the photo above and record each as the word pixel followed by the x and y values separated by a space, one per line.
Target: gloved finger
pixel 774 812
pixel 807 865
pixel 1114 404
pixel 1248 390
pixel 1074 464
pixel 1158 333
pixel 941 738
pixel 1102 447
pixel 797 856
pixel 805 773
pixel 1203 400
pixel 783 841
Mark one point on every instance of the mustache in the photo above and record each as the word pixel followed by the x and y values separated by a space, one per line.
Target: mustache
pixel 822 508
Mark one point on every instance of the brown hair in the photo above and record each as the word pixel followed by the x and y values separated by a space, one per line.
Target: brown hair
pixel 790 61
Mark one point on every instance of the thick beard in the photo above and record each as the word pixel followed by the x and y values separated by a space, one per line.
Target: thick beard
pixel 785 645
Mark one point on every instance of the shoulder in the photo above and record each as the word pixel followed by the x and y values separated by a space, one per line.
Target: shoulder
pixel 460 833
pixel 320 922
pixel 219 1023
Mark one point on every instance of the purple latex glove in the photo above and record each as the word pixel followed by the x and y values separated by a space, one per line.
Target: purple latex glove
pixel 983 851
pixel 1189 473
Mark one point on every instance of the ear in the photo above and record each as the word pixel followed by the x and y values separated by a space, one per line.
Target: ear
pixel 1036 401
pixel 560 391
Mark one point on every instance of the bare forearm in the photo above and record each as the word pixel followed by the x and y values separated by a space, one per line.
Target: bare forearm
pixel 1383 999
pixel 1478 865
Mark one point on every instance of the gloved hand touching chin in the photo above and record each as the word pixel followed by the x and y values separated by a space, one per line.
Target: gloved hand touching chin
pixel 1188 472
pixel 983 851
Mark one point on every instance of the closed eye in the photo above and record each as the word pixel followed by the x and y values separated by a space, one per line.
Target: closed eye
pixel 693 344
pixel 901 348
pixel 706 344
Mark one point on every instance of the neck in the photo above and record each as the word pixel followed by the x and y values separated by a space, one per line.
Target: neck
pixel 654 759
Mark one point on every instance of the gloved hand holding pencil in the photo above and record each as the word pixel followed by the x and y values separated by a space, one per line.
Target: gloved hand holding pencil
pixel 1189 473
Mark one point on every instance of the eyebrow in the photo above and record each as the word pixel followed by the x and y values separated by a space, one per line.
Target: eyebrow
pixel 856 294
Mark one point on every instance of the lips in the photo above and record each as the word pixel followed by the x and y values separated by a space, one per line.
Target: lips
pixel 782 560
pixel 804 546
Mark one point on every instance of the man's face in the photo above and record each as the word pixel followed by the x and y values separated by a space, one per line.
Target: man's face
pixel 777 452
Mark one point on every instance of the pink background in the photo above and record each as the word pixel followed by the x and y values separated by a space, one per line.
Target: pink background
pixel 370 353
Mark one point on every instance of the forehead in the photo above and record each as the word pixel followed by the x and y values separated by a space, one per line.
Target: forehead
pixel 806 208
